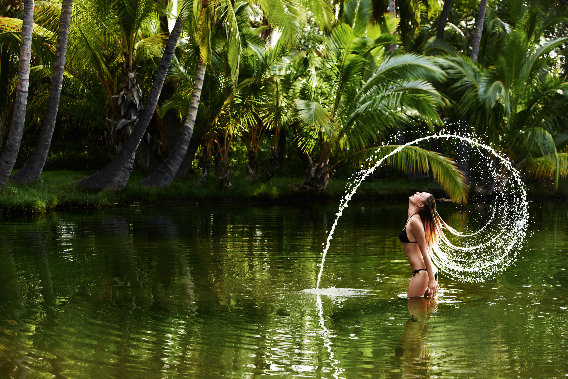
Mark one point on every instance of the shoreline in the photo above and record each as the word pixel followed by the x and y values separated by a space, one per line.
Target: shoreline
pixel 56 192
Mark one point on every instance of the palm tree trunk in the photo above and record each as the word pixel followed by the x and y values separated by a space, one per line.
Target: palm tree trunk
pixel 12 146
pixel 186 164
pixel 443 20
pixel 33 167
pixel 478 30
pixel 115 175
pixel 166 173
pixel 392 9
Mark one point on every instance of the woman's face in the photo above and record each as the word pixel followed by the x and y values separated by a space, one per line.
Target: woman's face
pixel 419 198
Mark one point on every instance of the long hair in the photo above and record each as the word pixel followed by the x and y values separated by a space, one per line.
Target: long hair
pixel 432 222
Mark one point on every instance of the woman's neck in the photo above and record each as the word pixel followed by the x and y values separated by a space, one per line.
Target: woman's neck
pixel 412 210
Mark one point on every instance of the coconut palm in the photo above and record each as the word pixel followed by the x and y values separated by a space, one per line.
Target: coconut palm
pixel 115 174
pixel 479 21
pixel 518 101
pixel 443 19
pixel 360 94
pixel 112 38
pixel 10 41
pixel 33 167
pixel 236 25
pixel 12 146
pixel 203 26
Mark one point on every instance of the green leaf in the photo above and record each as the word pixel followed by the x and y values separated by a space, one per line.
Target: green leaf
pixel 412 159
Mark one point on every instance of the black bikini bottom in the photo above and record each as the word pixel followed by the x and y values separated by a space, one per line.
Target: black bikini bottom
pixel 423 269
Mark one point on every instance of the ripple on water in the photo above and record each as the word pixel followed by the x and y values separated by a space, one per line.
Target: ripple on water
pixel 338 292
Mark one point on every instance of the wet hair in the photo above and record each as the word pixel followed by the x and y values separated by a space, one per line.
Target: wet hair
pixel 432 222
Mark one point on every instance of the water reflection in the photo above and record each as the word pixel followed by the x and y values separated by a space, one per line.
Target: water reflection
pixel 217 291
pixel 412 349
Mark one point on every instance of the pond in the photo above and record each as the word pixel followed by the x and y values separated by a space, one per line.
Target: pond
pixel 184 290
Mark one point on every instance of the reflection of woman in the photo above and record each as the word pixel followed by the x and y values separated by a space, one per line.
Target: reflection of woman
pixel 412 348
pixel 419 234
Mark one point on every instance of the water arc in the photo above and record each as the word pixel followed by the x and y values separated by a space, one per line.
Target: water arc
pixel 469 261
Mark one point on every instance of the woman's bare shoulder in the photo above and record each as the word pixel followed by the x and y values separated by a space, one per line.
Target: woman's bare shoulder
pixel 416 223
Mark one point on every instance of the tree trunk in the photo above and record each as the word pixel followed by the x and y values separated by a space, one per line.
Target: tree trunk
pixel 115 175
pixel 252 164
pixel 12 146
pixel 166 173
pixel 478 30
pixel 392 10
pixel 318 177
pixel 222 161
pixel 276 156
pixel 392 7
pixel 185 167
pixel 443 20
pixel 205 164
pixel 33 167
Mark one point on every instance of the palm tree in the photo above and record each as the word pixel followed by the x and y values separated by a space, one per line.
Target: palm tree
pixel 359 94
pixel 236 21
pixel 443 19
pixel 10 43
pixel 116 173
pixel 518 101
pixel 110 40
pixel 33 167
pixel 478 30
pixel 12 146
pixel 204 26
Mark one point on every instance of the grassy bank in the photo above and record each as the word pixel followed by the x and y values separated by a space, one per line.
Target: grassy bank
pixel 56 191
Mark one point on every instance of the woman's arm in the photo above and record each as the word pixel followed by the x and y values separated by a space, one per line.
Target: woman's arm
pixel 417 230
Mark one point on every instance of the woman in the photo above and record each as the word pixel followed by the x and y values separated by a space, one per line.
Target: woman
pixel 418 236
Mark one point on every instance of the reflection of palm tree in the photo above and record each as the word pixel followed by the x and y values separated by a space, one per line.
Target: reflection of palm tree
pixel 12 307
pixel 11 299
pixel 412 351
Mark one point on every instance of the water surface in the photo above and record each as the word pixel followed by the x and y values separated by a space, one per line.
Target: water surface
pixel 218 291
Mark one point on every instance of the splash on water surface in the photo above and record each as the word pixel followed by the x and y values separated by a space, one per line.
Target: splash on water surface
pixel 337 292
pixel 471 256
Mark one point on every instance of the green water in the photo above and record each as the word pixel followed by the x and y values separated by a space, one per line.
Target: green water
pixel 217 291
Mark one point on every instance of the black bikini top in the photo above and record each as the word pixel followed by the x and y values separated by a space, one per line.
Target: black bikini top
pixel 403 237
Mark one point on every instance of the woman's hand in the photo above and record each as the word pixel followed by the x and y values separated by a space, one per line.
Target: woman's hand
pixel 432 290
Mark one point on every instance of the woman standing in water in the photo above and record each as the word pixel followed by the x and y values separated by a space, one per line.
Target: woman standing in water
pixel 418 236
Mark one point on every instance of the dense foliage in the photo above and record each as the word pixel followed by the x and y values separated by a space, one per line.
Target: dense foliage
pixel 302 88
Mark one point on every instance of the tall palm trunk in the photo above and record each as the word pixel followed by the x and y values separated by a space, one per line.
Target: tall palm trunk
pixel 443 19
pixel 392 12
pixel 12 146
pixel 463 147
pixel 33 167
pixel 478 30
pixel 166 173
pixel 115 175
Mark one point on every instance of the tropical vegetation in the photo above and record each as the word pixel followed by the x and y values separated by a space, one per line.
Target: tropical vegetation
pixel 217 89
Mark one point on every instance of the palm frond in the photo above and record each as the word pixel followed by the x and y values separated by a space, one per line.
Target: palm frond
pixel 285 16
pixel 413 159
pixel 321 12
pixel 547 166
pixel 357 14
pixel 405 66
pixel 534 142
